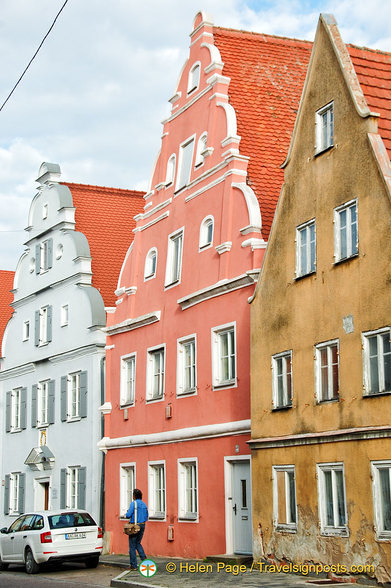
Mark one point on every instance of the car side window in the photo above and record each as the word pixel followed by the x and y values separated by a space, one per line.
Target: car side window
pixel 27 522
pixel 37 523
pixel 16 524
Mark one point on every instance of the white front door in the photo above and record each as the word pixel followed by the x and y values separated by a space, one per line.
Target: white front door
pixel 241 507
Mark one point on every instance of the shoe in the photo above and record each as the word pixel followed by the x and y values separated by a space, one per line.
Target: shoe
pixel 132 569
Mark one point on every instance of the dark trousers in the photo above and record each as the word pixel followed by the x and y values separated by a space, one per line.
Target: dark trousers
pixel 135 545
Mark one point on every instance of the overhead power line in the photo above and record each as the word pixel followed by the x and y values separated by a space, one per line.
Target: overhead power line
pixel 34 56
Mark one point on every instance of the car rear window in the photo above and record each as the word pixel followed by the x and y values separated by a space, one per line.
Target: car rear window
pixel 70 519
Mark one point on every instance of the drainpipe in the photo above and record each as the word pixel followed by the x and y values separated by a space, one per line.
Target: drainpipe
pixel 102 428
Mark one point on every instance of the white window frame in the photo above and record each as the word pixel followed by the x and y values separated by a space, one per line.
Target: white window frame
pixel 300 230
pixel 379 333
pixel 44 256
pixel 171 168
pixel 186 494
pixel 43 325
pixel 219 381
pixel 205 241
pixel 182 343
pixel 43 403
pixel 128 386
pixel 286 401
pixel 289 524
pixel 193 81
pixel 73 397
pixel 72 484
pixel 26 330
pixel 16 410
pixel 14 486
pixel 351 250
pixel 157 472
pixel 184 173
pixel 320 395
pixel 174 258
pixel 150 265
pixel 381 532
pixel 127 485
pixel 201 149
pixel 64 315
pixel 151 396
pixel 335 528
pixel 324 132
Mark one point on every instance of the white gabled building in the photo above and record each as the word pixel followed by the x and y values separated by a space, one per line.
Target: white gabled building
pixel 52 361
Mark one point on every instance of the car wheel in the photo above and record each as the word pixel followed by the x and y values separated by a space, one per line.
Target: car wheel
pixel 31 565
pixel 3 566
pixel 92 562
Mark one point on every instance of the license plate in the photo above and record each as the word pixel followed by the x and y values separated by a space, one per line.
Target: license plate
pixel 75 535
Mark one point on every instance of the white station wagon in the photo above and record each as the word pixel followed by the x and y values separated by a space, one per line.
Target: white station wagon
pixel 51 536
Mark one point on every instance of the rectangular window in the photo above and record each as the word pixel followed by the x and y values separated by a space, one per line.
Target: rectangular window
pixel 73 487
pixel 155 374
pixel 128 380
pixel 185 163
pixel 377 361
pixel 282 379
pixel 284 498
pixel 26 330
pixel 346 231
pixel 43 325
pixel 332 501
pixel 305 249
pixel 157 490
pixel 44 253
pixel 224 356
pixel 73 480
pixel 73 396
pixel 64 315
pixel 325 127
pixel 127 485
pixel 381 476
pixel 174 258
pixel 187 489
pixel 42 403
pixel 186 366
pixel 326 370
pixel 14 490
pixel 16 401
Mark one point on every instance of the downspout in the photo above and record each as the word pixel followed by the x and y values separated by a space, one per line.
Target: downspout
pixel 102 428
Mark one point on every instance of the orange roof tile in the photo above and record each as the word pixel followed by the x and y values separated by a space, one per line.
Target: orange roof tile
pixel 6 297
pixel 105 216
pixel 373 69
pixel 267 76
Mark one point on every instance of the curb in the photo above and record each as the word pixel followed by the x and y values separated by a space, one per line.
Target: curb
pixel 120 581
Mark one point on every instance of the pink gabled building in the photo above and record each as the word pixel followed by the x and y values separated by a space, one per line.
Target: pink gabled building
pixel 177 410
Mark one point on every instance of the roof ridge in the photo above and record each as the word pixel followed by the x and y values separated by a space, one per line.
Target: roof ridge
pixel 254 33
pixel 363 48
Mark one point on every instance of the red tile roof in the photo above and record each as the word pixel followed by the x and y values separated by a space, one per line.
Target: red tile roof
pixel 105 216
pixel 267 77
pixel 6 297
pixel 373 69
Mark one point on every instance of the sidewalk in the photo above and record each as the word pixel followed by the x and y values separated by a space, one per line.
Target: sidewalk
pixel 173 573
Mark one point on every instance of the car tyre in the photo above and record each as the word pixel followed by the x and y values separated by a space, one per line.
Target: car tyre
pixel 3 566
pixel 31 565
pixel 92 562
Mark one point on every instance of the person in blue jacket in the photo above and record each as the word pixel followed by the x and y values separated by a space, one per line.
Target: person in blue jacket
pixel 142 517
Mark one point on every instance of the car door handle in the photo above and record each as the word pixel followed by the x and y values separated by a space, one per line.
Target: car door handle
pixel 24 536
pixel 234 508
pixel 12 538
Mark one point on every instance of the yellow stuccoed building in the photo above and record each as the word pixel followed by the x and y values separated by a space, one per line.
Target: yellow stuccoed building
pixel 321 317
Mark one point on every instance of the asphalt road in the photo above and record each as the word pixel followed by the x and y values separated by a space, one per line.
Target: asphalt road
pixel 66 575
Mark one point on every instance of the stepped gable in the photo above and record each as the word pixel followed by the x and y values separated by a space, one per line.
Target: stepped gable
pixel 373 69
pixel 267 77
pixel 6 297
pixel 106 217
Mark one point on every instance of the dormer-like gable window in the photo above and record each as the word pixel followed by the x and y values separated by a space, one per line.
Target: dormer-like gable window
pixel 43 256
pixel 194 78
pixel 150 264
pixel 170 174
pixel 185 163
pixel 325 127
pixel 201 146
pixel 206 232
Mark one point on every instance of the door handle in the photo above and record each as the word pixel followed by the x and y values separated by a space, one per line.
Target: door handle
pixel 24 536
pixel 12 538
pixel 234 508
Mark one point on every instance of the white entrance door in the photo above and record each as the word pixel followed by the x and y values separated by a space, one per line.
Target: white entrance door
pixel 241 506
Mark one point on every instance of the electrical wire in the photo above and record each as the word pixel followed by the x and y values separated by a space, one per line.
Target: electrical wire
pixel 33 57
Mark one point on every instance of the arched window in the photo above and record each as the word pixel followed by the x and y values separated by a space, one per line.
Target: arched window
pixel 206 232
pixel 170 175
pixel 194 78
pixel 150 264
pixel 201 146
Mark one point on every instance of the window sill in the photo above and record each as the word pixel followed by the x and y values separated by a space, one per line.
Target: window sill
pixel 155 517
pixel 73 419
pixel 327 401
pixel 345 259
pixel 302 276
pixel 334 532
pixel 188 518
pixel 152 400
pixel 42 425
pixel 224 385
pixel 285 407
pixel 190 392
pixel 172 284
pixel 383 536
pixel 206 246
pixel 376 394
pixel 324 150
pixel 16 430
pixel 286 528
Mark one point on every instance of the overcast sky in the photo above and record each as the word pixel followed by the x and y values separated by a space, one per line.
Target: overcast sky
pixel 94 98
